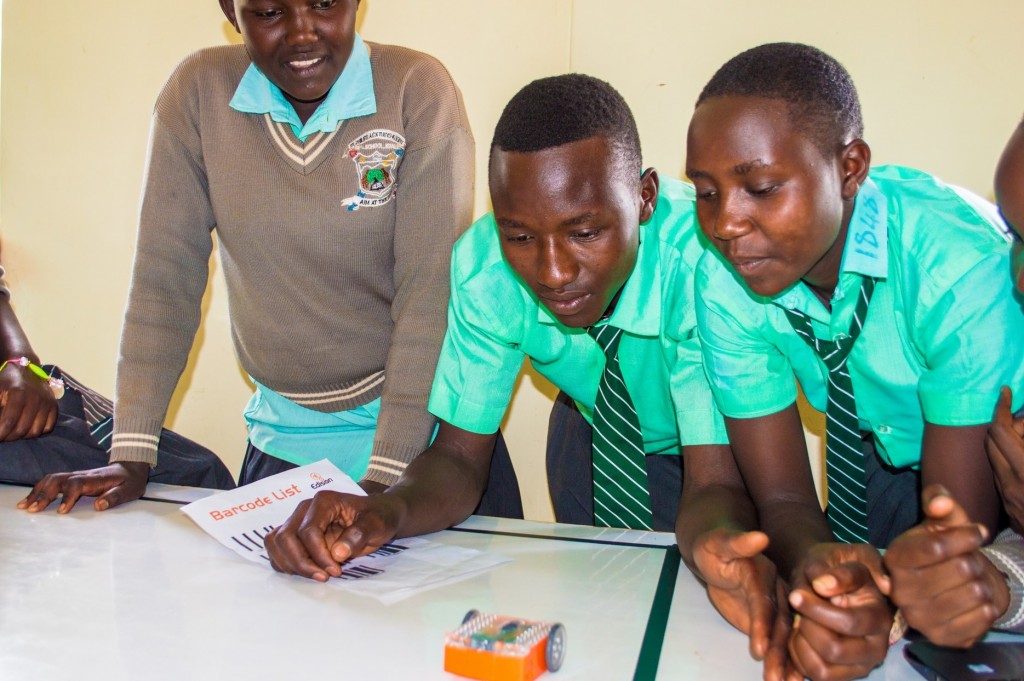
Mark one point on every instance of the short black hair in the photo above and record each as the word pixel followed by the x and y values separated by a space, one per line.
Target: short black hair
pixel 820 93
pixel 557 110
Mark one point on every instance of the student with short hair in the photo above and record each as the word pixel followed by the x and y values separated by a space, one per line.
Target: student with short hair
pixel 585 268
pixel 885 293
pixel 337 175
pixel 948 584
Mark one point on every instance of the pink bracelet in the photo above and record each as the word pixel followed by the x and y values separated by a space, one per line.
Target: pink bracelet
pixel 56 384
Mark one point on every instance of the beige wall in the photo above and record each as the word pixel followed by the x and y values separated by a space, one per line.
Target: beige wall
pixel 939 84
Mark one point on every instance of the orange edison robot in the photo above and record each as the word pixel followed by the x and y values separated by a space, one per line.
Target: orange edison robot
pixel 498 648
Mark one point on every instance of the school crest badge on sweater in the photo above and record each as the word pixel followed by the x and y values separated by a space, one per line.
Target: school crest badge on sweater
pixel 377 155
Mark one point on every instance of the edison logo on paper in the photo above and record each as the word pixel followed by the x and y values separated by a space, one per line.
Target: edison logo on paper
pixel 319 481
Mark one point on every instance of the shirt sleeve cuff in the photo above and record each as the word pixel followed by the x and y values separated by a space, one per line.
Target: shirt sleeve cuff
pixel 388 462
pixel 481 418
pixel 135 440
pixel 704 427
pixel 958 408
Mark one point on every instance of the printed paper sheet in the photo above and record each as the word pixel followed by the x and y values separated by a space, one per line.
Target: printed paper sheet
pixel 241 518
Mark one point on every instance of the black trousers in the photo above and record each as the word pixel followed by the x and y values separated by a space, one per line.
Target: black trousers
pixel 71 447
pixel 571 477
pixel 501 498
pixel 894 497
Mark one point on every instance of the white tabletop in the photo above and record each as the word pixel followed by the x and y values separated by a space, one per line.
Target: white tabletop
pixel 140 592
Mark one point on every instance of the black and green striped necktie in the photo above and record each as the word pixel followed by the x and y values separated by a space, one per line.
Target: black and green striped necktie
pixel 621 497
pixel 844 452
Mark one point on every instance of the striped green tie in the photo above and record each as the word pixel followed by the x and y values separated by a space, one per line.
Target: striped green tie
pixel 844 453
pixel 621 498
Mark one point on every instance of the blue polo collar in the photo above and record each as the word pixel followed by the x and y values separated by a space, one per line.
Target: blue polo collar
pixel 351 96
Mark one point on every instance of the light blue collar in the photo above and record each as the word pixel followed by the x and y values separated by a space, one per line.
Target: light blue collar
pixel 351 96
pixel 867 239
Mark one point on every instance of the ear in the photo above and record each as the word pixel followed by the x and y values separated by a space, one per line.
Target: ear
pixel 648 194
pixel 228 7
pixel 856 162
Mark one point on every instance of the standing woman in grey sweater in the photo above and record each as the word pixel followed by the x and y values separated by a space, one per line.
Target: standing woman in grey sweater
pixel 337 175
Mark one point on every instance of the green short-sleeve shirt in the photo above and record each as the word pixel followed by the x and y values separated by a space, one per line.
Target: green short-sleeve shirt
pixel 942 332
pixel 494 322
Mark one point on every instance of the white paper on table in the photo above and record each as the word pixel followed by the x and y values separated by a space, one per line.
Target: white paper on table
pixel 240 519
pixel 406 567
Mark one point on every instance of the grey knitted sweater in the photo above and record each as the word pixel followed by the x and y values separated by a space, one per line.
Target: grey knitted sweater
pixel 335 251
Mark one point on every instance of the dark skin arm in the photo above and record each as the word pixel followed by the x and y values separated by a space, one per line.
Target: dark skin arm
pixel 1005 447
pixel 845 640
pixel 27 405
pixel 440 488
pixel 771 454
pixel 714 497
pixel 954 457
pixel 716 531
pixel 372 487
pixel 30 409
pixel 112 486
pixel 844 620
pixel 943 583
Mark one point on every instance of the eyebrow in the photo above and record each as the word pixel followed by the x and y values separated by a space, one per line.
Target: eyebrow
pixel 744 168
pixel 739 169
pixel 508 223
pixel 578 219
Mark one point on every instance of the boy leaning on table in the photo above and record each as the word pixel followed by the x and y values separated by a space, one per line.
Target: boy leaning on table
pixel 947 584
pixel 583 247
pixel 814 256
